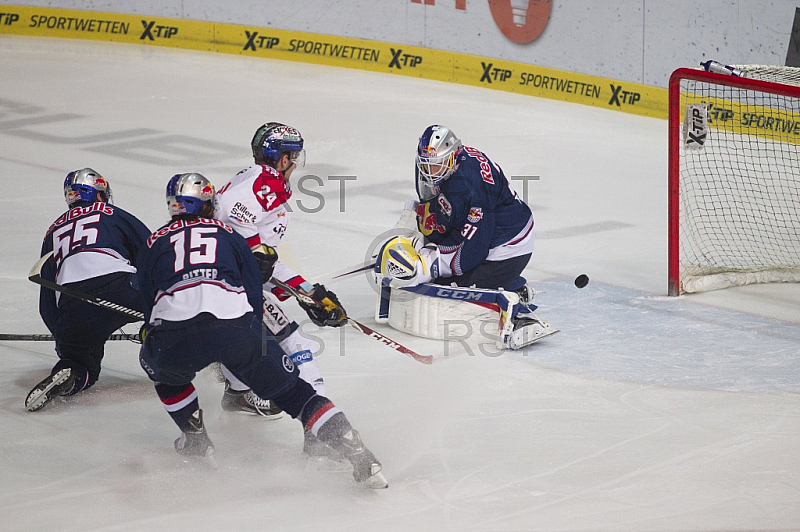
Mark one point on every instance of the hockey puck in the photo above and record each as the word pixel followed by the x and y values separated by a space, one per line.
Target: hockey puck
pixel 581 280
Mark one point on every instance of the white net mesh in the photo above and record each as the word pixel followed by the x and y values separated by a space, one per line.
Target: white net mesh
pixel 740 191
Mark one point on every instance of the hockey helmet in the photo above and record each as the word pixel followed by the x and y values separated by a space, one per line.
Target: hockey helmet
pixel 273 139
pixel 190 193
pixel 82 186
pixel 436 154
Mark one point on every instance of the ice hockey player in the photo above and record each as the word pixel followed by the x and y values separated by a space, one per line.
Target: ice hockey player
pixel 476 231
pixel 94 246
pixel 202 290
pixel 254 204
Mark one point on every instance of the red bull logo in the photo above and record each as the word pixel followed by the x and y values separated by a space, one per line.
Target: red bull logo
pixel 208 192
pixel 100 182
pixel 428 151
pixel 475 214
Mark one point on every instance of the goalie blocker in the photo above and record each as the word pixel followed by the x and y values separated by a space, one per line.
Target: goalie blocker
pixel 452 313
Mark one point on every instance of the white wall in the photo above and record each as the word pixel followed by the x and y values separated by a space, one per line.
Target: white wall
pixel 639 41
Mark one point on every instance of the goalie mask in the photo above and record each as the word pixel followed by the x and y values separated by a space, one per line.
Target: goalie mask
pixel 190 194
pixel 273 139
pixel 436 155
pixel 82 186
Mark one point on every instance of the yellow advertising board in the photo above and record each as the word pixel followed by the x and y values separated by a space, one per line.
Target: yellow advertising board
pixel 346 52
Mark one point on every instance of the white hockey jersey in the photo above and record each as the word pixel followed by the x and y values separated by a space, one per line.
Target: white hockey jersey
pixel 254 204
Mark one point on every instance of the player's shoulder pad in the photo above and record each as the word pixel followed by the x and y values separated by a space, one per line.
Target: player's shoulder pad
pixel 270 188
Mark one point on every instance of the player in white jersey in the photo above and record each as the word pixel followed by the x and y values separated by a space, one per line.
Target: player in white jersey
pixel 254 204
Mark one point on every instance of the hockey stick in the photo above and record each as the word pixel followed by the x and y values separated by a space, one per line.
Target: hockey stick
pixel 425 359
pixel 35 276
pixel 341 274
pixel 49 337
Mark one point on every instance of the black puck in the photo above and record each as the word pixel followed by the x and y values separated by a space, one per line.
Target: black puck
pixel 581 280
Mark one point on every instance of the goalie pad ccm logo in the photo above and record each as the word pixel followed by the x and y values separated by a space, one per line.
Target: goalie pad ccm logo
pixel 695 126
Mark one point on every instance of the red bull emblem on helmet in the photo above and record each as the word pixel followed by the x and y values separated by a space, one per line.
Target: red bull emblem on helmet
pixel 208 192
pixel 428 151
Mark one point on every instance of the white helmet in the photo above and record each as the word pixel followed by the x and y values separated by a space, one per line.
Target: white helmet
pixel 436 154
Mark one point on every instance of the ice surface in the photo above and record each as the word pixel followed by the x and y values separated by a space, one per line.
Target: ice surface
pixel 644 413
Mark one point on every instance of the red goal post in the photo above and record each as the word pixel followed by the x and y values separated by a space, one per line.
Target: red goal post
pixel 734 178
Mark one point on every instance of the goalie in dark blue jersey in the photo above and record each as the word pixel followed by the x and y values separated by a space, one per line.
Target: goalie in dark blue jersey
pixel 475 230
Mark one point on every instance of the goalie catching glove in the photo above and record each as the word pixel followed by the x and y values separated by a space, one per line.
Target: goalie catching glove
pixel 407 262
pixel 327 312
pixel 266 257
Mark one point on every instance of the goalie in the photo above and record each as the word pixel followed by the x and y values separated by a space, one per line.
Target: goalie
pixel 476 233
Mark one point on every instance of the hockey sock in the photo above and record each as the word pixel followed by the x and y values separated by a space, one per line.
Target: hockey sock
pixel 324 419
pixel 180 401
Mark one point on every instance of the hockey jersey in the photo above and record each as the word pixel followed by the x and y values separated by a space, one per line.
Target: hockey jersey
pixel 88 241
pixel 94 240
pixel 475 215
pixel 254 204
pixel 191 267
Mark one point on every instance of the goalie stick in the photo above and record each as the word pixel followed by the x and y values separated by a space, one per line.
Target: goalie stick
pixel 35 276
pixel 425 359
pixel 49 337
pixel 329 278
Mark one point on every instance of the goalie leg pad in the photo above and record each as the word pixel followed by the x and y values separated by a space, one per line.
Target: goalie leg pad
pixel 439 318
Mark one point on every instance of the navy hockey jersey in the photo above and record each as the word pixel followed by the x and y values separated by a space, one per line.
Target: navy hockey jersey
pixel 474 216
pixel 89 241
pixel 193 266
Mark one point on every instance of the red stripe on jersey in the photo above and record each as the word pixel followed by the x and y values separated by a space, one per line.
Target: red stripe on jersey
pixel 318 414
pixel 180 397
pixel 294 282
pixel 254 240
pixel 530 228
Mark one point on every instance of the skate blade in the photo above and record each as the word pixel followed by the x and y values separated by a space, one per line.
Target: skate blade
pixel 534 340
pixel 375 482
pixel 39 398
pixel 206 460
pixel 258 415
pixel 323 464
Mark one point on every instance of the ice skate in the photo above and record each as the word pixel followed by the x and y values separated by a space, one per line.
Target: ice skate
pixel 528 329
pixel 60 383
pixel 195 440
pixel 366 468
pixel 322 457
pixel 247 402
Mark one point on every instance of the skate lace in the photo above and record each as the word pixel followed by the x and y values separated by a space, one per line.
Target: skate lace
pixel 256 401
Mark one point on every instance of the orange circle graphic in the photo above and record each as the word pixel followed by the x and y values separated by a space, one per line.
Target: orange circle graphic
pixel 521 21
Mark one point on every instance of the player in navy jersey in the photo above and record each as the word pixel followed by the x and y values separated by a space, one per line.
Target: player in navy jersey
pixel 202 288
pixel 476 231
pixel 94 247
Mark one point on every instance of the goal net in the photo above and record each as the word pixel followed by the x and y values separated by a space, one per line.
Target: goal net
pixel 734 178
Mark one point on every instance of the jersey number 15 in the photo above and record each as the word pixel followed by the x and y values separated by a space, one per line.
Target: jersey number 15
pixel 202 248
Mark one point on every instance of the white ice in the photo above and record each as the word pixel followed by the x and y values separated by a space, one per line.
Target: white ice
pixel 644 413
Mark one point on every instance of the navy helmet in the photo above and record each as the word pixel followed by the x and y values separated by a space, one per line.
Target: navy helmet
pixel 273 139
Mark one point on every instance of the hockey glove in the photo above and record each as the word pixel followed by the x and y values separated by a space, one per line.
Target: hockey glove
pixel 266 257
pixel 327 312
pixel 407 262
